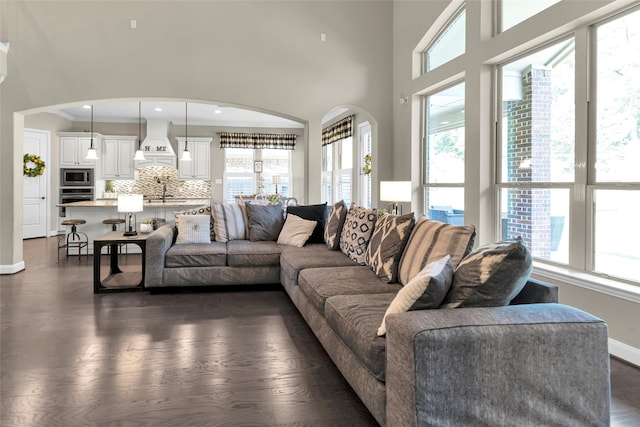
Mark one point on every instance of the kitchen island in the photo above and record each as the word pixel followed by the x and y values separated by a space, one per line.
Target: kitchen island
pixel 96 211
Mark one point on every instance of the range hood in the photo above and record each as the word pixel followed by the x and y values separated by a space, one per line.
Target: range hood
pixel 157 144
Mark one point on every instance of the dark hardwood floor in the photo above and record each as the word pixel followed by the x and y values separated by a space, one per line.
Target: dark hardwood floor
pixel 236 357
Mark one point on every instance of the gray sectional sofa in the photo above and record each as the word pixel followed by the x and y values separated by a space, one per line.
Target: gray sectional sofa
pixel 533 362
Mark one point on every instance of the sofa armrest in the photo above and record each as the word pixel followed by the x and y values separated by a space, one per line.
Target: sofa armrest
pixel 536 291
pixel 158 243
pixel 532 364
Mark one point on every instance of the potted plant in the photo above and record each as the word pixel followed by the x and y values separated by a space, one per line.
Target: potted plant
pixel 147 225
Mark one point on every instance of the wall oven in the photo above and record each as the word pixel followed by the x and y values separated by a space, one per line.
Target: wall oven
pixel 70 195
pixel 76 177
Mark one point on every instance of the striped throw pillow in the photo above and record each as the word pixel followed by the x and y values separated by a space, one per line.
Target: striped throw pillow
pixel 431 241
pixel 228 222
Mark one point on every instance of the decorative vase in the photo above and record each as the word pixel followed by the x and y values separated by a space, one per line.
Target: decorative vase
pixel 146 228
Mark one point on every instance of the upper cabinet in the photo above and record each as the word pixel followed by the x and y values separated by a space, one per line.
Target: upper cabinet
pixel 74 146
pixel 200 165
pixel 117 157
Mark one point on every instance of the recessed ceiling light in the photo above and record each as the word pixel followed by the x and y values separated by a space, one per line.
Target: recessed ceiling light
pixel 87 107
pixel 218 112
pixel 158 109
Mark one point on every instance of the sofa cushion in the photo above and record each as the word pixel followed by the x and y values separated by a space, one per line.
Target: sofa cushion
pixel 193 229
pixel 490 276
pixel 312 213
pixel 228 222
pixel 426 290
pixel 244 253
pixel 387 243
pixel 334 224
pixel 432 240
pixel 318 284
pixel 296 231
pixel 355 318
pixel 201 210
pixel 294 260
pixel 196 255
pixel 265 221
pixel 356 233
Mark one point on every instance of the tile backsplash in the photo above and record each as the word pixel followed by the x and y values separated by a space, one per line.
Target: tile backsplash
pixel 151 178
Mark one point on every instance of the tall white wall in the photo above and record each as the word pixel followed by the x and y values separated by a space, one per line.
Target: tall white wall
pixel 263 54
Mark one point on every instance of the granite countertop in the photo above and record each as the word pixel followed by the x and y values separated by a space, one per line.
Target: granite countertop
pixel 113 203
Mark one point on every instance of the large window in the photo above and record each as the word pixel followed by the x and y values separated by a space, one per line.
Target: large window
pixel 337 170
pixel 444 155
pixel 569 198
pixel 449 44
pixel 364 150
pixel 241 179
pixel 615 185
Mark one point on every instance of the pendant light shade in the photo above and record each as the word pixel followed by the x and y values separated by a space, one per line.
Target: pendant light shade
pixel 186 155
pixel 139 154
pixel 92 154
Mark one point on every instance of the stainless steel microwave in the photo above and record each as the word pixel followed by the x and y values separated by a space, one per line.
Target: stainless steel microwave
pixel 76 177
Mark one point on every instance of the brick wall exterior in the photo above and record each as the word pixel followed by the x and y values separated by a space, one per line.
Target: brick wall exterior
pixel 529 138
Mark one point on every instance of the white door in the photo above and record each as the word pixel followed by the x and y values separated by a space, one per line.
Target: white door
pixel 34 195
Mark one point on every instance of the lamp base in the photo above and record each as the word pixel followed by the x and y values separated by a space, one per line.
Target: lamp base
pixel 130 233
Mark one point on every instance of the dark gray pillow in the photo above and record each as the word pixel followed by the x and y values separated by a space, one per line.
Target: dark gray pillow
pixel 490 276
pixel 265 221
pixel 312 213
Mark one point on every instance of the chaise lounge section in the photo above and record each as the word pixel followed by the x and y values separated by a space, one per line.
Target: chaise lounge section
pixel 528 361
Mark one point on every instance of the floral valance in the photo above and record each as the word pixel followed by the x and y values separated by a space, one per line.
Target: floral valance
pixel 257 140
pixel 337 131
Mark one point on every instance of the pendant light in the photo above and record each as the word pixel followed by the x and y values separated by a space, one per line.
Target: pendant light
pixel 186 155
pixel 139 154
pixel 92 154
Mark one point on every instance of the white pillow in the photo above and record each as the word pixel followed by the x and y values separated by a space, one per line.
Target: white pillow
pixel 426 290
pixel 296 231
pixel 193 229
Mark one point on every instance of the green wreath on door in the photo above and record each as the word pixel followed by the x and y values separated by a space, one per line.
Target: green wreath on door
pixel 32 165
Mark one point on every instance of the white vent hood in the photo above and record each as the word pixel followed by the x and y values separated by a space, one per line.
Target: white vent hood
pixel 157 141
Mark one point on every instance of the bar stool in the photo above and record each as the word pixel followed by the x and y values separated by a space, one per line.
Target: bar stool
pixel 74 239
pixel 114 223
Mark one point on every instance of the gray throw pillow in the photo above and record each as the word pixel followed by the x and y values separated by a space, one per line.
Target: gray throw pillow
pixel 265 221
pixel 490 276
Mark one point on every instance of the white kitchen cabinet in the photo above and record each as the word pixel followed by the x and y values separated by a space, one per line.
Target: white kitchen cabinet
pixel 73 147
pixel 200 165
pixel 156 160
pixel 117 156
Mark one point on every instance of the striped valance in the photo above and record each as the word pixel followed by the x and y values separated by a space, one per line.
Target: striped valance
pixel 337 131
pixel 257 140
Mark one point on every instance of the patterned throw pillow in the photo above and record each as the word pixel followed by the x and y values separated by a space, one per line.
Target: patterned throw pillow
pixel 430 241
pixel 356 233
pixel 387 243
pixel 193 229
pixel 490 276
pixel 426 290
pixel 228 222
pixel 334 224
pixel 201 210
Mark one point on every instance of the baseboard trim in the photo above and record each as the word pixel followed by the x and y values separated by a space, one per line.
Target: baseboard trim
pixel 12 269
pixel 624 351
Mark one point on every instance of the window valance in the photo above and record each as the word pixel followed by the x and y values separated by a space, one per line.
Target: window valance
pixel 337 131
pixel 257 140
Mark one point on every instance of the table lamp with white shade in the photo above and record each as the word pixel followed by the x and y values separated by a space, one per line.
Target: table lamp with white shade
pixel 275 179
pixel 395 192
pixel 130 203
